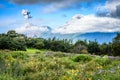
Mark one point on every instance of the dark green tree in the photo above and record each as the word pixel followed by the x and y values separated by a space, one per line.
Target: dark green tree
pixel 12 41
pixel 58 45
pixel 12 33
pixel 80 46
pixel 106 49
pixel 39 43
pixel 93 47
pixel 116 45
pixel 5 42
pixel 30 42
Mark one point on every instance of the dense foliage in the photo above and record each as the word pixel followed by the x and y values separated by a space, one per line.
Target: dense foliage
pixel 116 45
pixel 12 41
pixel 15 41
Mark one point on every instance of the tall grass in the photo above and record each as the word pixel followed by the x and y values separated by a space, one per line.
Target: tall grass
pixel 36 65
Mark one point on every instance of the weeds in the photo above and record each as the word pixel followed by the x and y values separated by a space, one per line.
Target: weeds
pixel 57 66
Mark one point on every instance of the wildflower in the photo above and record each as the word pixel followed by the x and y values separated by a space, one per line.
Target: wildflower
pixel 8 64
pixel 89 78
pixel 118 67
pixel 75 74
pixel 99 67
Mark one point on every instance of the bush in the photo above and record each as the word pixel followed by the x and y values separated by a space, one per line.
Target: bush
pixel 103 60
pixel 59 54
pixel 6 77
pixel 82 57
pixel 5 55
pixel 20 55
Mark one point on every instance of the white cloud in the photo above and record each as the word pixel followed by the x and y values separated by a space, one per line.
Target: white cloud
pixel 53 5
pixel 30 27
pixel 111 5
pixel 32 30
pixel 89 23
pixel 111 8
pixel 57 6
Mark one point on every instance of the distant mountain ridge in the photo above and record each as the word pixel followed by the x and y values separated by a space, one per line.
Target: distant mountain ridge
pixel 101 37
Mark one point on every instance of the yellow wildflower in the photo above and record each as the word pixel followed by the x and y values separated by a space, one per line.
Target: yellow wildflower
pixel 99 67
pixel 89 78
pixel 8 64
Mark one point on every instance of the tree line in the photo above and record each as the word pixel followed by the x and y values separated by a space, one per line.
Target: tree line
pixel 14 41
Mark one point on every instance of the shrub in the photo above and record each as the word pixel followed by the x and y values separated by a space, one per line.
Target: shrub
pixel 20 55
pixel 59 54
pixel 6 77
pixel 84 52
pixel 103 60
pixel 82 57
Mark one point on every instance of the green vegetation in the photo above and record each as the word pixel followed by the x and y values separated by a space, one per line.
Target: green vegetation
pixel 23 58
pixel 116 45
pixel 14 41
pixel 83 58
pixel 48 65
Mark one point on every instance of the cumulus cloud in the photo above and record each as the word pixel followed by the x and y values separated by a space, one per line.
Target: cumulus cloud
pixel 111 9
pixel 89 23
pixel 53 5
pixel 62 5
pixel 30 27
pixel 47 1
pixel 22 2
pixel 31 30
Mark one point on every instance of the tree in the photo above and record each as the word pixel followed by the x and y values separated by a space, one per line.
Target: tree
pixel 58 45
pixel 80 46
pixel 20 43
pixel 84 42
pixel 12 33
pixel 5 42
pixel 106 48
pixel 39 43
pixel 116 45
pixel 47 43
pixel 30 42
pixel 12 41
pixel 93 47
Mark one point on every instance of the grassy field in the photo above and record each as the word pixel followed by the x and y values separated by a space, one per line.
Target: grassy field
pixel 32 51
pixel 36 64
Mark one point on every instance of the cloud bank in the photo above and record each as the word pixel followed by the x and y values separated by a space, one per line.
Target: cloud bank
pixel 110 9
pixel 89 23
pixel 48 1
pixel 106 20
pixel 54 5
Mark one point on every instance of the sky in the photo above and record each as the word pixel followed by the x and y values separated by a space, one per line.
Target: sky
pixel 63 16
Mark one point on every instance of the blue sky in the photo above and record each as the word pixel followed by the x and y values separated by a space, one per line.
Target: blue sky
pixel 53 13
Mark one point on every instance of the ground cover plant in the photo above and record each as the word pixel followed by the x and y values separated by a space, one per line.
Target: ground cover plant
pixel 49 65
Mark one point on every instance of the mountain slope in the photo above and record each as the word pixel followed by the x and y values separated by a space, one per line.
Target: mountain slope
pixel 101 37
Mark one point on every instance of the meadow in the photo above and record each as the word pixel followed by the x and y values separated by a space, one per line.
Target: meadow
pixel 36 64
